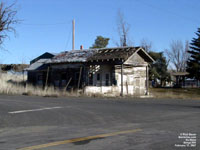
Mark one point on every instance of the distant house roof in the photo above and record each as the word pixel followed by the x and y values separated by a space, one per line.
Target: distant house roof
pixel 38 65
pixel 180 73
pixel 99 54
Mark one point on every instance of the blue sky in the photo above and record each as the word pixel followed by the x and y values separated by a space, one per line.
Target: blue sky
pixel 47 24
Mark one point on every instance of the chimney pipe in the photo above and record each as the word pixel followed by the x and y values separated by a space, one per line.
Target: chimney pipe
pixel 81 47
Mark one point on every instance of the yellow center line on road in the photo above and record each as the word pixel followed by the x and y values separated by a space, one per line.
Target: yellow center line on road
pixel 79 139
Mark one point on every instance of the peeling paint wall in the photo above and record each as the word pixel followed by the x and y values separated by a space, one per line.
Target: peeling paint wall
pixel 134 79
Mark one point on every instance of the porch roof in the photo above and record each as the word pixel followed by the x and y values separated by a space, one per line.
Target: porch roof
pixel 113 53
pixel 80 56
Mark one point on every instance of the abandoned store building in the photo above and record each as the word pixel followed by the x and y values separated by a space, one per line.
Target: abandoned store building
pixel 114 71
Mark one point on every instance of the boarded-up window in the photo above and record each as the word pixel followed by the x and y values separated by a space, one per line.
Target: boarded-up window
pixel 137 82
pixel 137 92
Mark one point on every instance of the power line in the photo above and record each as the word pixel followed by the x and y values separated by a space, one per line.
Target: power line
pixel 68 38
pixel 169 12
pixel 45 24
pixel 53 24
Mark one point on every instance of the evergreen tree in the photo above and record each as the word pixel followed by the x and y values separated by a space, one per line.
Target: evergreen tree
pixel 193 63
pixel 158 70
pixel 100 42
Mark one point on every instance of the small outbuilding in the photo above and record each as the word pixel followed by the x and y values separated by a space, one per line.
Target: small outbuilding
pixel 38 69
pixel 182 80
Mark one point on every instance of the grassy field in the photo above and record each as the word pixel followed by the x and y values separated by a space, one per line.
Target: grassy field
pixel 181 93
pixel 14 84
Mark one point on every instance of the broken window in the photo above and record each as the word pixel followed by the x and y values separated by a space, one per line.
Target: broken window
pixel 107 79
pixel 98 76
pixel 90 78
pixel 114 81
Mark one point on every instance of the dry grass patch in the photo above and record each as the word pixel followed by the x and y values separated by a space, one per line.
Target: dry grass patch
pixel 11 84
pixel 180 93
pixel 14 84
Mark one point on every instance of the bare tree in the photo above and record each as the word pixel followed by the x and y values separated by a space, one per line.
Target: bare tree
pixel 7 20
pixel 123 30
pixel 146 44
pixel 178 55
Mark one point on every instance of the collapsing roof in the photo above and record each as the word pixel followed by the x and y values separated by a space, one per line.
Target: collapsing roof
pixel 122 53
pixel 113 53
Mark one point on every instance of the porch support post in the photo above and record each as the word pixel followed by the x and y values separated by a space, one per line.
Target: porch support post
pixel 147 80
pixel 101 79
pixel 87 75
pixel 122 66
pixel 23 79
pixel 47 76
pixel 79 79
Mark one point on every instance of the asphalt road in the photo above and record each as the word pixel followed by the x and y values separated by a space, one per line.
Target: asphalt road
pixel 28 123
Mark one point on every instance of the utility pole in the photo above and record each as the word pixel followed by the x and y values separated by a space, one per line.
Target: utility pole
pixel 73 34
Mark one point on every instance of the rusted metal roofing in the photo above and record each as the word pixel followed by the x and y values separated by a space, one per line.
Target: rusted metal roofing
pixel 73 56
pixel 94 54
